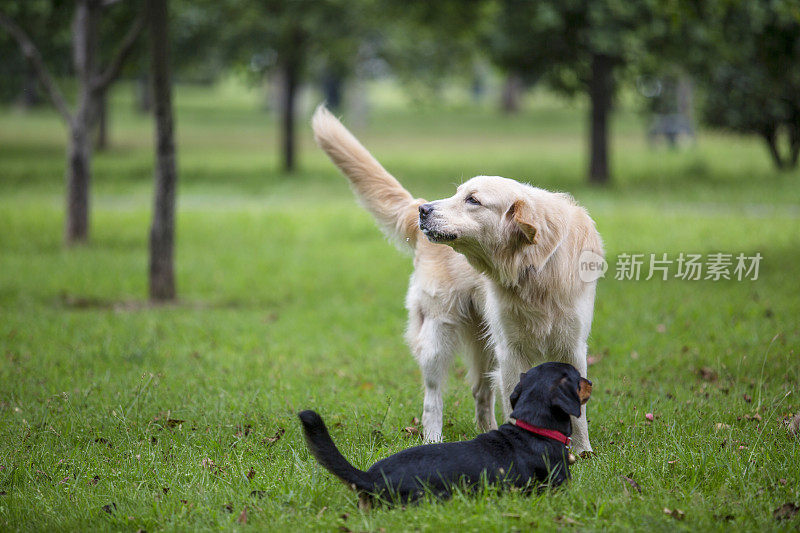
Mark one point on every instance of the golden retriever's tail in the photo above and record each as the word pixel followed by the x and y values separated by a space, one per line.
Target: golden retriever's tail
pixel 381 194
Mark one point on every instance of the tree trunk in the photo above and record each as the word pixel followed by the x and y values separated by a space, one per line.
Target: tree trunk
pixel 78 178
pixel 600 91
pixel 794 144
pixel 162 231
pixel 290 73
pixel 101 116
pixel 30 96
pixel 79 156
pixel 512 92
pixel 771 138
pixel 144 100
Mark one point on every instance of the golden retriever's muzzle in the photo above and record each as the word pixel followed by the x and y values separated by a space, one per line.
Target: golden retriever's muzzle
pixel 584 390
pixel 428 225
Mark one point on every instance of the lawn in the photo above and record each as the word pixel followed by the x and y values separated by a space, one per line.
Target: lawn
pixel 118 415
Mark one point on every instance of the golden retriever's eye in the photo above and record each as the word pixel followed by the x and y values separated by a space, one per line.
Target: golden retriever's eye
pixel 472 200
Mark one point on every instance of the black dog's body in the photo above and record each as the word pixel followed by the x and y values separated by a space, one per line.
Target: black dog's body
pixel 509 455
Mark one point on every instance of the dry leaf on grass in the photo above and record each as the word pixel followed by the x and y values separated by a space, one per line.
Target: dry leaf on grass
pixel 785 511
pixel 411 430
pixel 242 516
pixel 708 374
pixel 632 483
pixel 794 426
pixel 251 473
pixel 275 438
pixel 561 519
pixel 677 514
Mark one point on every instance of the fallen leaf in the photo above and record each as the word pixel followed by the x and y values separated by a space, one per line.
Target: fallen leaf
pixel 785 511
pixel 415 421
pixel 561 519
pixel 110 508
pixel 174 422
pixel 747 398
pixel 720 426
pixel 632 483
pixel 63 480
pixel 244 431
pixel 242 516
pixel 411 430
pixel 677 514
pixel 794 425
pixel 251 474
pixel 707 374
pixel 275 438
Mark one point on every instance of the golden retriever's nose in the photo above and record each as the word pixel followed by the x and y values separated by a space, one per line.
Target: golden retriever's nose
pixel 425 210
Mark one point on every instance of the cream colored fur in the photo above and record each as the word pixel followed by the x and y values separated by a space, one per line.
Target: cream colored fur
pixel 497 275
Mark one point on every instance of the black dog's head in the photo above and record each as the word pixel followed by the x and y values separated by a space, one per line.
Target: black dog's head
pixel 548 394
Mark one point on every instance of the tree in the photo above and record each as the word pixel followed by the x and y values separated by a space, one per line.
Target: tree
pixel 286 38
pixel 577 46
pixel 43 21
pixel 162 230
pixel 745 56
pixel 92 84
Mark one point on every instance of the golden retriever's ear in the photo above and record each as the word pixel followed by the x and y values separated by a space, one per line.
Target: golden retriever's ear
pixel 542 232
pixel 520 214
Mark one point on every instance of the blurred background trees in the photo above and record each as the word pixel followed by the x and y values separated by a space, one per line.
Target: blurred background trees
pixel 734 60
pixel 93 81
pixel 745 55
pixel 740 53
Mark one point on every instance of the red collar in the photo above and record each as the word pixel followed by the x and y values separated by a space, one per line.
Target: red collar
pixel 549 433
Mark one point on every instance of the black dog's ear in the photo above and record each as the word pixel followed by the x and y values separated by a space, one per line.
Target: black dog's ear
pixel 515 395
pixel 514 398
pixel 566 398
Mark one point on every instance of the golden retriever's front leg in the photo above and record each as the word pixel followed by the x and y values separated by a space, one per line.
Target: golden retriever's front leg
pixel 433 342
pixel 481 359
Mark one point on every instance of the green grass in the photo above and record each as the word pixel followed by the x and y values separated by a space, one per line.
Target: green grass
pixel 291 299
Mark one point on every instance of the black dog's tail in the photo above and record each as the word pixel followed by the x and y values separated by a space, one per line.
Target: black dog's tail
pixel 325 451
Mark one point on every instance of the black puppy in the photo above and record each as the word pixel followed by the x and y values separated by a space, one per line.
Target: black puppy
pixel 531 448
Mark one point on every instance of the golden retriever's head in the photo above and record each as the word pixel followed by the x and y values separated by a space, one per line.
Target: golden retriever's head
pixel 499 225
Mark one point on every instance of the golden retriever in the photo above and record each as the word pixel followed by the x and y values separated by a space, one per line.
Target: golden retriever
pixel 496 270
